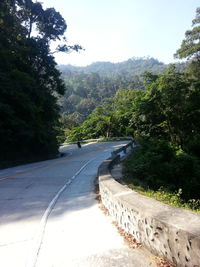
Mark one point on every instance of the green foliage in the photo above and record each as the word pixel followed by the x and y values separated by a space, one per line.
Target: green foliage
pixel 173 199
pixel 190 47
pixel 94 83
pixel 164 110
pixel 156 166
pixel 29 80
pixel 150 162
pixel 167 165
pixel 75 134
pixel 111 119
pixel 132 67
pixel 170 109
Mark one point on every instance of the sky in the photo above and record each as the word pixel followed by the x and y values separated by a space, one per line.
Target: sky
pixel 116 30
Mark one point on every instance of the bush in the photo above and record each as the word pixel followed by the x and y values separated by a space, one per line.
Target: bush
pixel 186 175
pixel 150 163
pixel 193 146
pixel 158 165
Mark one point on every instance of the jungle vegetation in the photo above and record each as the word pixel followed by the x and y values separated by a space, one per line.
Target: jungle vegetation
pixel 29 79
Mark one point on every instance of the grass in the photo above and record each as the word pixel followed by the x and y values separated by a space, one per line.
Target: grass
pixel 171 198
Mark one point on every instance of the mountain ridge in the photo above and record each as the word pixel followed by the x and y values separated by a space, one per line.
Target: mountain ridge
pixel 88 86
pixel 137 64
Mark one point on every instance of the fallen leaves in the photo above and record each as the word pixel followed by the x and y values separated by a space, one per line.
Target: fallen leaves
pixel 104 209
pixel 161 262
pixel 96 191
pixel 128 238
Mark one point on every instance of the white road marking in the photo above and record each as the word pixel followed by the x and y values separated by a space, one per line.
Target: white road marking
pixel 38 240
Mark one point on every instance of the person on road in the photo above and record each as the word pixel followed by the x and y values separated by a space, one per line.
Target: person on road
pixel 79 144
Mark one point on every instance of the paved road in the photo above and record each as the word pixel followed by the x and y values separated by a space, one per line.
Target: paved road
pixel 49 216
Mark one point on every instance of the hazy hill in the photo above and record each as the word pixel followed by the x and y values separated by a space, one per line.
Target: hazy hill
pixel 133 66
pixel 89 86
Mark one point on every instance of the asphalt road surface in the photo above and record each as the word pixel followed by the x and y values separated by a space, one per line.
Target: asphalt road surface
pixel 49 216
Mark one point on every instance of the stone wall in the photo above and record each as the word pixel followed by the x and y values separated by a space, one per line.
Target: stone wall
pixel 166 231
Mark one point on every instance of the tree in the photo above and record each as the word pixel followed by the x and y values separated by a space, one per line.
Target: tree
pixel 29 79
pixel 170 110
pixel 190 47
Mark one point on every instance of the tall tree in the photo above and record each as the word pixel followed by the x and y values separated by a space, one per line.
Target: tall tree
pixel 190 47
pixel 29 79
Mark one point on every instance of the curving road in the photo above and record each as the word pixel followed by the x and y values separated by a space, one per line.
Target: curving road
pixel 49 216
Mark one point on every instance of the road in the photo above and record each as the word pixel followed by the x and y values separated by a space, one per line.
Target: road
pixel 49 216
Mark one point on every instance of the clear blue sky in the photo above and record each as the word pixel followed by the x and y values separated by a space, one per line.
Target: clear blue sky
pixel 115 30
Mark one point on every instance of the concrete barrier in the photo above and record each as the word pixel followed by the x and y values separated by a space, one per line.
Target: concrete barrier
pixel 168 232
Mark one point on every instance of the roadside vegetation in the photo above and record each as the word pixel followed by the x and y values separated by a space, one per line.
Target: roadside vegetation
pixel 158 170
pixel 29 80
pixel 88 87
pixel 164 119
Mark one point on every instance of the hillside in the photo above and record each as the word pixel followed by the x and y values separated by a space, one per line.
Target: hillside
pixel 88 86
pixel 133 66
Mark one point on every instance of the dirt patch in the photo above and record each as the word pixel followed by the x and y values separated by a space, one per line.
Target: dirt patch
pixel 161 262
pixel 104 209
pixel 128 238
pixel 96 191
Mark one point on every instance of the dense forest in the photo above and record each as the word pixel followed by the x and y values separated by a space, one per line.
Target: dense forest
pixel 164 118
pixel 89 86
pixel 29 79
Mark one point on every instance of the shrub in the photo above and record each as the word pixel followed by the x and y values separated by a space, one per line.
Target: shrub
pixel 159 165
pixel 186 175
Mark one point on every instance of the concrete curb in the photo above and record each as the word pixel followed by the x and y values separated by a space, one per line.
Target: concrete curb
pixel 168 232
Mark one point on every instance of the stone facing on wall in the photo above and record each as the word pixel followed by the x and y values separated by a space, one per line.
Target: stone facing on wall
pixel 168 232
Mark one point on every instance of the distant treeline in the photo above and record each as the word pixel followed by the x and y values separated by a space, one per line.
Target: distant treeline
pixel 89 86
